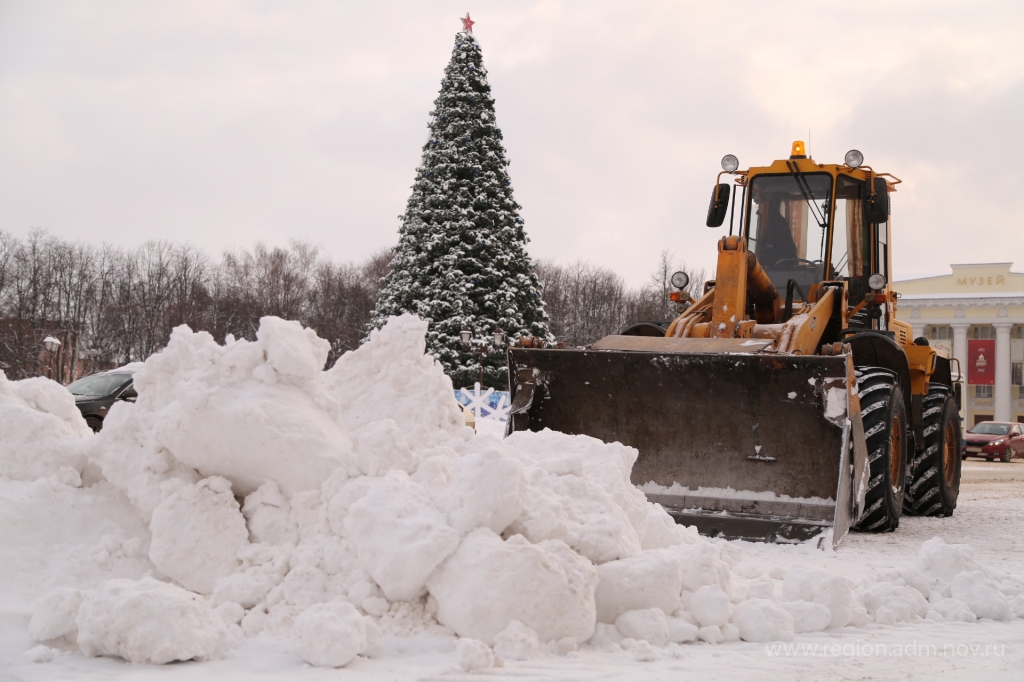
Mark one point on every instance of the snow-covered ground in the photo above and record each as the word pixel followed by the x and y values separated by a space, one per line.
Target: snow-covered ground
pixel 286 521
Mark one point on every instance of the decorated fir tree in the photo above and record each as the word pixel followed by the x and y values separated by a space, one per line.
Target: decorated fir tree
pixel 461 258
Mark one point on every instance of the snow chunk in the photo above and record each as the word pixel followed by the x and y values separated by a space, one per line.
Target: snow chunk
pixel 472 654
pixel 380 447
pixel 761 620
pixel 680 630
pixel 833 592
pixel 42 429
pixel 710 606
pixel 197 534
pixel 951 609
pixel 399 536
pixel 150 622
pixel 54 615
pixel 649 625
pixel 808 616
pixel 940 561
pixel 487 583
pixel 330 635
pixel 835 403
pixel 703 565
pixel 651 579
pixel 252 433
pixel 897 601
pixel 596 511
pixel 663 531
pixel 712 634
pixel 290 349
pixel 485 490
pixel 392 369
pixel 246 411
pixel 981 595
pixel 41 654
pixel 268 516
pixel 517 642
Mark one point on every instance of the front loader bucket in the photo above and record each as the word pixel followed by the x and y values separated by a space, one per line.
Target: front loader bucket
pixel 739 442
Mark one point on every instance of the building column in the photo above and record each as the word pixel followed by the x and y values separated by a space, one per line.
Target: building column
pixel 1003 413
pixel 960 353
pixel 918 330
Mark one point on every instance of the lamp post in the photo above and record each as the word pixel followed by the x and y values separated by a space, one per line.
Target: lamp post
pixel 481 348
pixel 51 345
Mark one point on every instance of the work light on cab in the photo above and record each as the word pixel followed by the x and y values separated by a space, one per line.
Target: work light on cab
pixel 680 280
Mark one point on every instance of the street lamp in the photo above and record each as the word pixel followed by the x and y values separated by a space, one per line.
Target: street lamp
pixel 51 345
pixel 481 349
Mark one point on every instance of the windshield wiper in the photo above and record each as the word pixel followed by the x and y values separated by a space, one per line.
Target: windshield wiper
pixel 805 190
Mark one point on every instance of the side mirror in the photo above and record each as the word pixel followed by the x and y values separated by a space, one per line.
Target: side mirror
pixel 129 395
pixel 876 209
pixel 719 205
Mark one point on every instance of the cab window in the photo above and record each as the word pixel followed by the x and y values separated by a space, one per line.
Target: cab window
pixel 787 228
pixel 851 238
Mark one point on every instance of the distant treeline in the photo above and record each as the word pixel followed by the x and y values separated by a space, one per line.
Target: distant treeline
pixel 109 306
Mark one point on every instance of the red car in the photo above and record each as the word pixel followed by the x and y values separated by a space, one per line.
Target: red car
pixel 990 440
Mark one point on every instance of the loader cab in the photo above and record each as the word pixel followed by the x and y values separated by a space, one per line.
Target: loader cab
pixel 811 223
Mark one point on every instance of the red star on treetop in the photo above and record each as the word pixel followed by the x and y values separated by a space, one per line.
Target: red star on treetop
pixel 467 23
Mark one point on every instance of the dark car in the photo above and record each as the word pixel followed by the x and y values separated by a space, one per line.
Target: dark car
pixel 96 393
pixel 990 440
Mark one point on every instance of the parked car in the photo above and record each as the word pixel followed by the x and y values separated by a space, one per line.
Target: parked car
pixel 96 393
pixel 990 440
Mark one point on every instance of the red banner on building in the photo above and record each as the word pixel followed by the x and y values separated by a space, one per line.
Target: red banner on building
pixel 981 362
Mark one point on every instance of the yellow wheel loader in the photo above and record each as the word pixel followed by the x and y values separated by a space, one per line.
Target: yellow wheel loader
pixel 788 400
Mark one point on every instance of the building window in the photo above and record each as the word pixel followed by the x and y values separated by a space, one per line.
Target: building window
pixel 982 391
pixel 940 332
pixel 983 331
pixel 1018 331
pixel 1017 373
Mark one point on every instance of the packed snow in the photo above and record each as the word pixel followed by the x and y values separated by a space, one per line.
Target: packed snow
pixel 250 500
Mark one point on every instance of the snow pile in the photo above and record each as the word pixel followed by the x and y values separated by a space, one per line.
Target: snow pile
pixel 278 499
pixel 42 430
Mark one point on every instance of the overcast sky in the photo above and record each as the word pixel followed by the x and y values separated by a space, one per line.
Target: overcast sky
pixel 223 123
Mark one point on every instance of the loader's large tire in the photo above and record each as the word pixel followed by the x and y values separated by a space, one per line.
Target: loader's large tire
pixel 885 429
pixel 935 479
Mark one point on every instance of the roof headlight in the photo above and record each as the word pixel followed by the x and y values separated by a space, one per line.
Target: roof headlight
pixel 854 158
pixel 877 281
pixel 680 280
pixel 730 163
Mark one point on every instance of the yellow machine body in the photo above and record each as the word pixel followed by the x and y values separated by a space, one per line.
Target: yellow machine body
pixel 745 410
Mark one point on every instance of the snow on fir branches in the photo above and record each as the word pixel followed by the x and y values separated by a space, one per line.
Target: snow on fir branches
pixel 461 257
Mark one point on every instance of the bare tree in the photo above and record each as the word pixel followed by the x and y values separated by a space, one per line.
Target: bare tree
pixel 585 302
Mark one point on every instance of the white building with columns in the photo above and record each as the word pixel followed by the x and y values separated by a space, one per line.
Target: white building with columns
pixel 976 301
